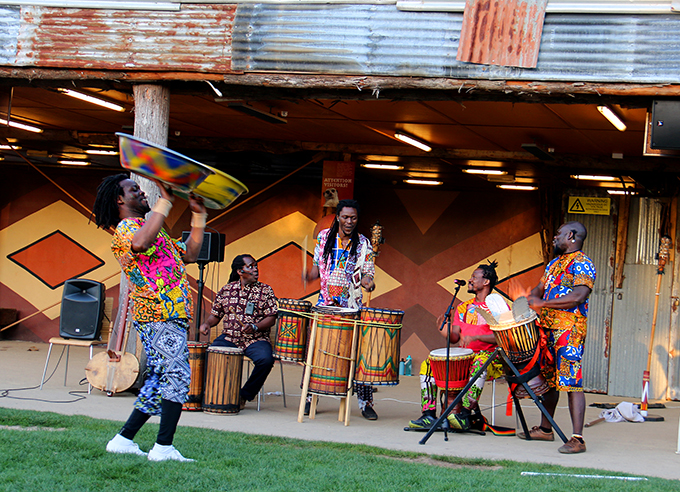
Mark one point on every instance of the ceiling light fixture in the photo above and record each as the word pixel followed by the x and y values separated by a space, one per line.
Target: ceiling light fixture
pixel 73 163
pixel 263 115
pixel 101 152
pixel 494 172
pixel 92 99
pixel 429 182
pixel 376 165
pixel 518 187
pixel 21 126
pixel 539 151
pixel 590 177
pixel 622 192
pixel 412 141
pixel 382 158
pixel 613 118
pixel 10 147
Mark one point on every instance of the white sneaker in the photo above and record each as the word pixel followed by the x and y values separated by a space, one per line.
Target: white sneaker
pixel 163 453
pixel 120 444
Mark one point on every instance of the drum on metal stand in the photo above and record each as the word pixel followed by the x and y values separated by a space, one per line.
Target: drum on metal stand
pixel 224 368
pixel 378 350
pixel 460 361
pixel 521 343
pixel 290 335
pixel 197 367
pixel 332 351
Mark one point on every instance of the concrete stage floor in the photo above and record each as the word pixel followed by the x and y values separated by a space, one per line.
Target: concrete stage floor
pixel 647 448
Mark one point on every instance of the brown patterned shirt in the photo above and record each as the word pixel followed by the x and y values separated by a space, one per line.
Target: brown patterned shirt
pixel 232 295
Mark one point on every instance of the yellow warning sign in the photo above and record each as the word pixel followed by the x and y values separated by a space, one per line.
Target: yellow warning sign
pixel 589 205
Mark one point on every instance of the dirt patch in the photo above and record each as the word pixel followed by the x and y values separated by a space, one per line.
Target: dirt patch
pixel 33 428
pixel 429 460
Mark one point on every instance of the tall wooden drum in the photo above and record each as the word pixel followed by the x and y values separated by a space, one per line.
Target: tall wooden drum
pixel 378 350
pixel 224 367
pixel 197 366
pixel 290 335
pixel 332 351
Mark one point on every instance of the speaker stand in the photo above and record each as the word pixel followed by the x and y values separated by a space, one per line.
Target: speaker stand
pixel 199 303
pixel 537 400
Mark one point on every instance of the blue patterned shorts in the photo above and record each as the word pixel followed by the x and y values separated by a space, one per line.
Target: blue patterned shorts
pixel 168 373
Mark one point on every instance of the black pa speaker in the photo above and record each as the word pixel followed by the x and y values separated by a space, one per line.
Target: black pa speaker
pixel 665 125
pixel 212 248
pixel 82 309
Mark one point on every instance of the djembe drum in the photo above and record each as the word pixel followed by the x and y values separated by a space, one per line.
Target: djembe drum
pixel 331 355
pixel 290 335
pixel 378 349
pixel 197 367
pixel 459 363
pixel 520 341
pixel 224 368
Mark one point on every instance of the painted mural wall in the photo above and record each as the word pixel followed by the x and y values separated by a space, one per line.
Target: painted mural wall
pixel 431 239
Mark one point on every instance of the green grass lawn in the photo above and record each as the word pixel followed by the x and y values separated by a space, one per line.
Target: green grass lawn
pixel 53 452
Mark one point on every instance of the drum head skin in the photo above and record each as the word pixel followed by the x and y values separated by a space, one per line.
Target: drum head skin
pixel 335 310
pixel 183 174
pixel 225 350
pixel 453 352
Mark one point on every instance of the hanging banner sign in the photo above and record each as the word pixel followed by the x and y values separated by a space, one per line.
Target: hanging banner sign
pixel 591 205
pixel 337 183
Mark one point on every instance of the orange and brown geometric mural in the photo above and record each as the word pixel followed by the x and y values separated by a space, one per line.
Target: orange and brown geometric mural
pixel 431 239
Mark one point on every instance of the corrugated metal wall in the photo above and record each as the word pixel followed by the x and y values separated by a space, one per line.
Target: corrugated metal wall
pixel 599 247
pixel 633 311
pixel 198 38
pixel 9 31
pixel 332 39
pixel 380 40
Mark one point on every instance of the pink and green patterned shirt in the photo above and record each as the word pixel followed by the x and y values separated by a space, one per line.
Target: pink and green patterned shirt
pixel 159 287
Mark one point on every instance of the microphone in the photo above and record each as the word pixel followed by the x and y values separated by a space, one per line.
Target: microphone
pixel 459 282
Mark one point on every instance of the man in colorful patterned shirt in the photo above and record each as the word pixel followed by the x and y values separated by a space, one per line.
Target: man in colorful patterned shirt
pixel 249 311
pixel 468 329
pixel 562 299
pixel 161 303
pixel 343 260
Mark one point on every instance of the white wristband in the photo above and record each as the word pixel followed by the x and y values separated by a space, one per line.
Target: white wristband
pixel 162 207
pixel 198 220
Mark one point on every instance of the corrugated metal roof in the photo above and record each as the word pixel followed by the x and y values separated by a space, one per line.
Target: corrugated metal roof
pixel 9 31
pixel 99 4
pixel 198 38
pixel 502 33
pixel 558 6
pixel 380 40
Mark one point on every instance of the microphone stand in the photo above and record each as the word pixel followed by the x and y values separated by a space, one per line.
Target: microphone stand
pixel 447 321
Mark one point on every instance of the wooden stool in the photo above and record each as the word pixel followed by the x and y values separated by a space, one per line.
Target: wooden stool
pixel 68 342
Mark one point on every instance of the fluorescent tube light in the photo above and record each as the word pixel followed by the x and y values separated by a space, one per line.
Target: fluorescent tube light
pixel 613 118
pixel 518 187
pixel 590 177
pixel 429 182
pixel 412 141
pixel 250 110
pixel 101 152
pixel 92 99
pixel 494 172
pixel 21 126
pixel 376 165
pixel 621 192
pixel 73 163
pixel 10 147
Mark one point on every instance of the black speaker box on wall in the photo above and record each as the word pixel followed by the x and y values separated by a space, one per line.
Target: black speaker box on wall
pixel 82 309
pixel 212 248
pixel 665 125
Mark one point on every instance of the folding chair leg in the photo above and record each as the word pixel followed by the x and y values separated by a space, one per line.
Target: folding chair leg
pixel 66 368
pixel 49 352
pixel 283 384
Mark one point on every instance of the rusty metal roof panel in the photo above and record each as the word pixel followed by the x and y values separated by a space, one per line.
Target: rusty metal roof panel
pixel 381 40
pixel 502 33
pixel 198 38
pixel 9 30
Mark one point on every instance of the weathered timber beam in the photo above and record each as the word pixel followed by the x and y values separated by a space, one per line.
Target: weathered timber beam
pixel 352 86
